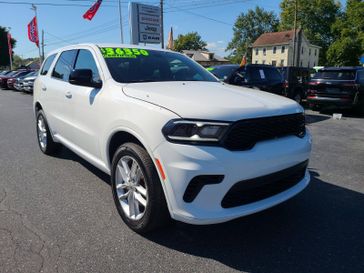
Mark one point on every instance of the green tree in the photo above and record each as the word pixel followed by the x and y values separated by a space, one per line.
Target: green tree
pixel 189 41
pixel 349 36
pixel 4 51
pixel 315 17
pixel 247 28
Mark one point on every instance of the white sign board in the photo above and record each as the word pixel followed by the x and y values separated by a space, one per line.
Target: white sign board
pixel 145 23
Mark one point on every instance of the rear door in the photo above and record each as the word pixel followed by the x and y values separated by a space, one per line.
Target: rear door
pixel 59 93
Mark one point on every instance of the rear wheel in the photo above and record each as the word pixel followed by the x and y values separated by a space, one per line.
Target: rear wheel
pixel 45 139
pixel 137 190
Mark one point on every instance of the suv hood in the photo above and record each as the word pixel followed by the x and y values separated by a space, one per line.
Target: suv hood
pixel 212 100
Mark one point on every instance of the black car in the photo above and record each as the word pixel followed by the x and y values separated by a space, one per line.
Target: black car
pixel 342 87
pixel 257 76
pixel 222 72
pixel 295 82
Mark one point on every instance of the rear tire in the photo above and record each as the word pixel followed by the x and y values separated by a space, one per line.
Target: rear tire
pixel 137 189
pixel 45 139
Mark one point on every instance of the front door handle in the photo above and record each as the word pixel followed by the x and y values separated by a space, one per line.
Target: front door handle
pixel 68 95
pixel 44 88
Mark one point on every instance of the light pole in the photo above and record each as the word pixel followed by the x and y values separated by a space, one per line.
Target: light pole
pixel 121 23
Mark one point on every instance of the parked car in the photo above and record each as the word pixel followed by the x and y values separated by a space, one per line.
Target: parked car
pixel 295 82
pixel 341 87
pixel 12 79
pixel 28 82
pixel 4 78
pixel 18 84
pixel 256 76
pixel 4 72
pixel 223 72
pixel 177 142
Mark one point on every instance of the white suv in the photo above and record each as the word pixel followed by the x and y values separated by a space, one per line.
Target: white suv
pixel 177 142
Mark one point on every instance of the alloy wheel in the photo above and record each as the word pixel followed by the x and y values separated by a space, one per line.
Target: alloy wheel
pixel 131 188
pixel 42 132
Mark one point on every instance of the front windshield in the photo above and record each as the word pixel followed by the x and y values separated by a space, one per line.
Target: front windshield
pixel 335 75
pixel 130 65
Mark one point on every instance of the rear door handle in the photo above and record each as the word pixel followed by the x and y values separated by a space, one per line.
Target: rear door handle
pixel 68 95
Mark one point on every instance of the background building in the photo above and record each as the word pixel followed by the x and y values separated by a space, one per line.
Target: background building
pixel 277 48
pixel 205 58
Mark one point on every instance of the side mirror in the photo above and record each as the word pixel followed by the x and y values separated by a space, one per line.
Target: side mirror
pixel 83 77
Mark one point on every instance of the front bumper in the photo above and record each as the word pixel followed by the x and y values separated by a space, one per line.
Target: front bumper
pixel 181 163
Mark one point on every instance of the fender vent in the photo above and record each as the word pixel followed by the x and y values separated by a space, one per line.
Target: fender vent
pixel 197 183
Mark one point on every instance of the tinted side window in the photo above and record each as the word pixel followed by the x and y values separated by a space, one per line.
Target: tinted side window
pixel 361 76
pixel 64 65
pixel 85 60
pixel 47 64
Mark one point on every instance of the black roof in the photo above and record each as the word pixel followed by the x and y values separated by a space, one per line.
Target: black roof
pixel 335 68
pixel 225 65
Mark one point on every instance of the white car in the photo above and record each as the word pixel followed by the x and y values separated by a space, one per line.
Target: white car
pixel 177 142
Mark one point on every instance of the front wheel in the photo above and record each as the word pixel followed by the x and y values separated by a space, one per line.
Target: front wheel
pixel 137 190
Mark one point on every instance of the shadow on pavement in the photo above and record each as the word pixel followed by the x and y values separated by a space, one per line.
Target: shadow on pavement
pixel 321 230
pixel 67 154
pixel 310 118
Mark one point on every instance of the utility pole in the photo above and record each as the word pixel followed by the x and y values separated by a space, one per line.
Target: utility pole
pixel 34 7
pixel 162 28
pixel 294 35
pixel 42 44
pixel 121 23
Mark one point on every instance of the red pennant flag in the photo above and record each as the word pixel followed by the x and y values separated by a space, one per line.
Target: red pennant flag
pixel 9 45
pixel 243 61
pixel 92 11
pixel 33 31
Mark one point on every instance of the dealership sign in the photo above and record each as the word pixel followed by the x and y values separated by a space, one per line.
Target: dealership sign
pixel 145 23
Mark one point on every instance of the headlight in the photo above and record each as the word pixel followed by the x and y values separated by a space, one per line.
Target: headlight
pixel 194 131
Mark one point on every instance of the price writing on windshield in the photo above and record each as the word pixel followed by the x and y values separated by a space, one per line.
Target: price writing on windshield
pixel 113 52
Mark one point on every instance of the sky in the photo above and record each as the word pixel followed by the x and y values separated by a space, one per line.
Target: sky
pixel 63 24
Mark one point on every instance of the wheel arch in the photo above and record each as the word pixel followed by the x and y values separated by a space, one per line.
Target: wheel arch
pixel 122 136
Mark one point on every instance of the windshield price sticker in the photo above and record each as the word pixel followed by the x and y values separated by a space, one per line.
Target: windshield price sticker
pixel 112 52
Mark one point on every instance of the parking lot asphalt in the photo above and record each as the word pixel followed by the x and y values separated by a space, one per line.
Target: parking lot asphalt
pixel 57 213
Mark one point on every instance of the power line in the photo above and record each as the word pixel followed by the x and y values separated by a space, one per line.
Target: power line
pixel 50 4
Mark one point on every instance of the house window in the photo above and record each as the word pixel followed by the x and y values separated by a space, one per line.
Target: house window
pixel 274 50
pixel 263 62
pixel 314 64
pixel 302 50
pixel 256 51
pixel 256 62
pixel 308 65
pixel 301 63
pixel 282 62
pixel 264 51
pixel 283 49
pixel 309 52
pixel 274 63
pixel 315 52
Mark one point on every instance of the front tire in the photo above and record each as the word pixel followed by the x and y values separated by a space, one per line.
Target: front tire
pixel 137 189
pixel 45 139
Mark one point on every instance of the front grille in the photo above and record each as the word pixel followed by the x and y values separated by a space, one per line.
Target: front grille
pixel 244 134
pixel 256 189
